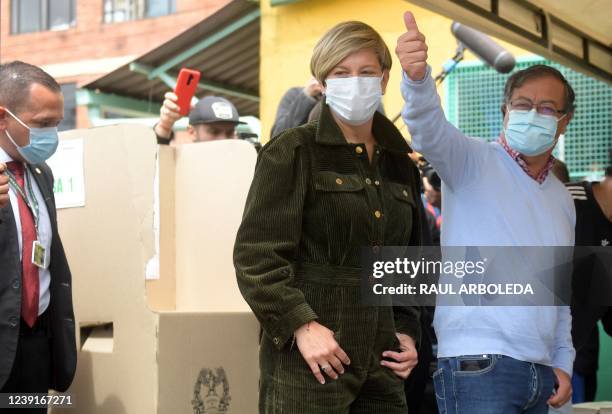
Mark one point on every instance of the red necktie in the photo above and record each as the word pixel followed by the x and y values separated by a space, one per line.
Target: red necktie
pixel 30 282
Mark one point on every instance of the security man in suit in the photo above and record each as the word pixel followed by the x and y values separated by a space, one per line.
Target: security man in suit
pixel 37 332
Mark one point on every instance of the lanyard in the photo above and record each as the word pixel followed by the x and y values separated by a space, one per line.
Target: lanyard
pixel 28 195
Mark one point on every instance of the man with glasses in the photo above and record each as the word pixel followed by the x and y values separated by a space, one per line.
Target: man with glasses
pixel 513 359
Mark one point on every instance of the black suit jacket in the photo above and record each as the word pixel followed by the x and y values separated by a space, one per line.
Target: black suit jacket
pixel 61 315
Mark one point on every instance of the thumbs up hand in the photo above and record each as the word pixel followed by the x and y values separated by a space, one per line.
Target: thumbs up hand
pixel 412 50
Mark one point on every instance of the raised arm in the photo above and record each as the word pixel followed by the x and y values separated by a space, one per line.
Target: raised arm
pixel 294 107
pixel 456 158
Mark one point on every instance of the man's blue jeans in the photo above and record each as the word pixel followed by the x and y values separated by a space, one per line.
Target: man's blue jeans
pixel 492 384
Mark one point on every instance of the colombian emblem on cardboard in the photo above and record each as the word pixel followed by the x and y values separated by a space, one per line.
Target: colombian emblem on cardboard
pixel 211 392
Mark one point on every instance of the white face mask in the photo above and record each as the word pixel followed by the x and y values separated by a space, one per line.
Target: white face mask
pixel 354 99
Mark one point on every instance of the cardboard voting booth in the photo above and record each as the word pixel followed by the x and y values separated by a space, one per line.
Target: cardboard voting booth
pixel 603 407
pixel 183 340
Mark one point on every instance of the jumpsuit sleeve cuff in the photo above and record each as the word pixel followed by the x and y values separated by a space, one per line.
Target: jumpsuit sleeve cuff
pixel 285 327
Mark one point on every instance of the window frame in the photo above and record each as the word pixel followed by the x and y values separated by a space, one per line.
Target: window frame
pixel 135 12
pixel 44 7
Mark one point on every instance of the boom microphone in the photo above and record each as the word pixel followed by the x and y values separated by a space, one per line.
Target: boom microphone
pixel 484 47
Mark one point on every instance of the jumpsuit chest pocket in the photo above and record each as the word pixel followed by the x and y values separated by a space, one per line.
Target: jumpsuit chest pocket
pixel 402 193
pixel 401 208
pixel 329 181
pixel 338 207
pixel 339 198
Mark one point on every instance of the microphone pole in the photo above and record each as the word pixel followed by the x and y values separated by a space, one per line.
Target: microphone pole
pixel 450 65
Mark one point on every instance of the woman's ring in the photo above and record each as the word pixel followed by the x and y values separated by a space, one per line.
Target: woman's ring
pixel 325 368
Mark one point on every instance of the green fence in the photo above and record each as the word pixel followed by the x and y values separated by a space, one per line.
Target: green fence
pixel 474 94
pixel 604 375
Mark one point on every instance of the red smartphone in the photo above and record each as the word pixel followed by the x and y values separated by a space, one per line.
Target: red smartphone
pixel 185 88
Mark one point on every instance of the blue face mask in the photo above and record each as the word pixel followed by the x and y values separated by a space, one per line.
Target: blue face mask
pixel 43 143
pixel 530 133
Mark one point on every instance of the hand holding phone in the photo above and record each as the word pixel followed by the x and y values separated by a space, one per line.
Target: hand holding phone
pixel 185 88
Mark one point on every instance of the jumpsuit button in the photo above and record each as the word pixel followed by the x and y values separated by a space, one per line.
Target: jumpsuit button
pixel 405 193
pixel 13 321
pixel 339 181
pixel 276 340
pixel 368 181
pixel 377 182
pixel 377 214
pixel 358 150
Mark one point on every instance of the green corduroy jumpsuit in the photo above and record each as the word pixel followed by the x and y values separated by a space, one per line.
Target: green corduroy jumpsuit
pixel 314 202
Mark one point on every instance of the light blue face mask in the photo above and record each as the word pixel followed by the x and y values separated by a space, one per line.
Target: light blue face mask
pixel 43 143
pixel 531 133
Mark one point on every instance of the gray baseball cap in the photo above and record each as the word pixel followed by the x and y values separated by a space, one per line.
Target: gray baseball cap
pixel 213 109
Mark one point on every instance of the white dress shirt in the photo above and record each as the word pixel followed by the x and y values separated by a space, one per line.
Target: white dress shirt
pixel 45 233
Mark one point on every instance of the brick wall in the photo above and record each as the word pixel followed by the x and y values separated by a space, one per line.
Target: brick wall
pixel 92 40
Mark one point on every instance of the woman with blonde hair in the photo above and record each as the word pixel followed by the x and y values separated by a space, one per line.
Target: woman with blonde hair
pixel 320 193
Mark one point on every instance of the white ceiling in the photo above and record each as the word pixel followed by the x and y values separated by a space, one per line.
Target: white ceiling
pixel 594 17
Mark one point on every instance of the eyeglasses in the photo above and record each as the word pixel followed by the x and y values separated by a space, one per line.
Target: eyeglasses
pixel 543 109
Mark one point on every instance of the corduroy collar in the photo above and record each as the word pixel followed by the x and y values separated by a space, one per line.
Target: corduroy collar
pixel 386 134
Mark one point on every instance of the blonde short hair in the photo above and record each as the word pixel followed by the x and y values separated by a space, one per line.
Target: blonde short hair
pixel 342 40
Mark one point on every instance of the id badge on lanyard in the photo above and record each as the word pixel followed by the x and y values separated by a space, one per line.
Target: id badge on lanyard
pixel 39 255
pixel 39 252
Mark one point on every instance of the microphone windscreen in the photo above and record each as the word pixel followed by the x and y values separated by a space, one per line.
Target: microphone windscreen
pixel 484 47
